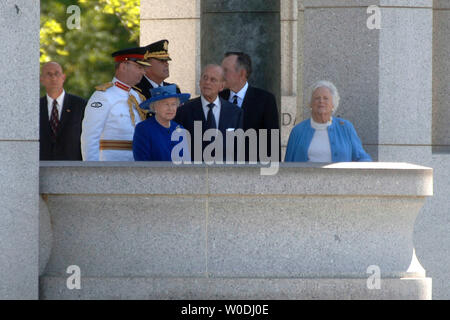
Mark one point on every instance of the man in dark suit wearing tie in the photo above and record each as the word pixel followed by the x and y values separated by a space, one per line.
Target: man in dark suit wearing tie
pixel 259 106
pixel 211 111
pixel 157 54
pixel 61 115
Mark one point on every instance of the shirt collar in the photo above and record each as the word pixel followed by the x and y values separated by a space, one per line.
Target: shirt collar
pixel 241 93
pixel 153 83
pixel 59 100
pixel 206 102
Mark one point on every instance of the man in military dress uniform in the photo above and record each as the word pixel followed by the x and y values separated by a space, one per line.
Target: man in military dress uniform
pixel 113 111
pixel 157 54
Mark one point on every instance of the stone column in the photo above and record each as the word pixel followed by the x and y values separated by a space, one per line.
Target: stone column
pixel 19 149
pixel 441 76
pixel 383 75
pixel 431 236
pixel 300 51
pixel 405 83
pixel 289 63
pixel 249 26
pixel 179 22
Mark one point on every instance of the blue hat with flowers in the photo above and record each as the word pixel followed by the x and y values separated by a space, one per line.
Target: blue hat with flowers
pixel 164 92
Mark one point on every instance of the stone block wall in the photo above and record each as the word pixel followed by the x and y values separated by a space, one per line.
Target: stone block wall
pixel 19 149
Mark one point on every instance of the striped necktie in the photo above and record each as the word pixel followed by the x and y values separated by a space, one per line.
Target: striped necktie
pixel 54 119
pixel 235 99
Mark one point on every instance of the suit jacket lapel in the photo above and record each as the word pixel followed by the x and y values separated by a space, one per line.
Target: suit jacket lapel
pixel 224 111
pixel 198 113
pixel 145 86
pixel 148 86
pixel 225 94
pixel 65 112
pixel 248 98
pixel 45 120
pixel 44 109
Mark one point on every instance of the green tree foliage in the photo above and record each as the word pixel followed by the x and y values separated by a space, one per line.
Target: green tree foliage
pixel 85 52
pixel 128 13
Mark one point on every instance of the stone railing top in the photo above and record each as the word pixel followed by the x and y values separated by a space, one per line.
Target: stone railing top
pixel 241 6
pixel 441 4
pixel 366 3
pixel 292 179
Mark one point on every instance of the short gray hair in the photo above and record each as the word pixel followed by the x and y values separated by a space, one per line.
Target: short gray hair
pixel 330 86
pixel 213 65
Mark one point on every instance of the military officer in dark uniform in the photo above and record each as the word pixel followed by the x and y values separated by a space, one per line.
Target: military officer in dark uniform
pixel 157 54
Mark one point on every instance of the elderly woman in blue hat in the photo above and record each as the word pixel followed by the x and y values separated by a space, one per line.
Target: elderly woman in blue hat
pixel 152 139
pixel 324 138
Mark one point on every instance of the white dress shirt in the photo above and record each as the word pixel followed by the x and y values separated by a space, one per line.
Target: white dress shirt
pixel 59 104
pixel 215 109
pixel 320 149
pixel 240 95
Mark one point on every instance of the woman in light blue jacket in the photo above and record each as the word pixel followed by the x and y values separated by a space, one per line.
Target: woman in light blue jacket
pixel 323 138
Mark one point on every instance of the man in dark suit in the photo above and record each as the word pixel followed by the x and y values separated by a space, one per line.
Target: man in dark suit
pixel 157 54
pixel 61 115
pixel 259 106
pixel 211 112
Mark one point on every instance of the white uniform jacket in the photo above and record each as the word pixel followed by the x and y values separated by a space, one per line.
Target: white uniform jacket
pixel 107 122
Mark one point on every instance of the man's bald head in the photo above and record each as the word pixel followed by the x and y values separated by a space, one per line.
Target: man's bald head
pixel 50 64
pixel 52 78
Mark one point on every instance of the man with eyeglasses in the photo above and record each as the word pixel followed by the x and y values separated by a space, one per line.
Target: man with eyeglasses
pixel 157 54
pixel 113 110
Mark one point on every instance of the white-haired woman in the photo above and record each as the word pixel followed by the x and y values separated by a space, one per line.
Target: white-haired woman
pixel 323 138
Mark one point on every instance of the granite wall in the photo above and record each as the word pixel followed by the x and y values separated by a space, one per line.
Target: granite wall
pixel 19 149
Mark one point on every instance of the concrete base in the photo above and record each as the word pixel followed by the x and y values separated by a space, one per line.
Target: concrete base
pixel 235 288
pixel 311 231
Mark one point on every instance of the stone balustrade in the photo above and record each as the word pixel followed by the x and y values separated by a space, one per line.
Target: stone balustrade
pixel 158 231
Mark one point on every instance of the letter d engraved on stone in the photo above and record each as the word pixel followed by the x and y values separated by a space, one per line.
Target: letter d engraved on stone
pixel 287 119
pixel 374 21
pixel 74 280
pixel 73 22
pixel 374 280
